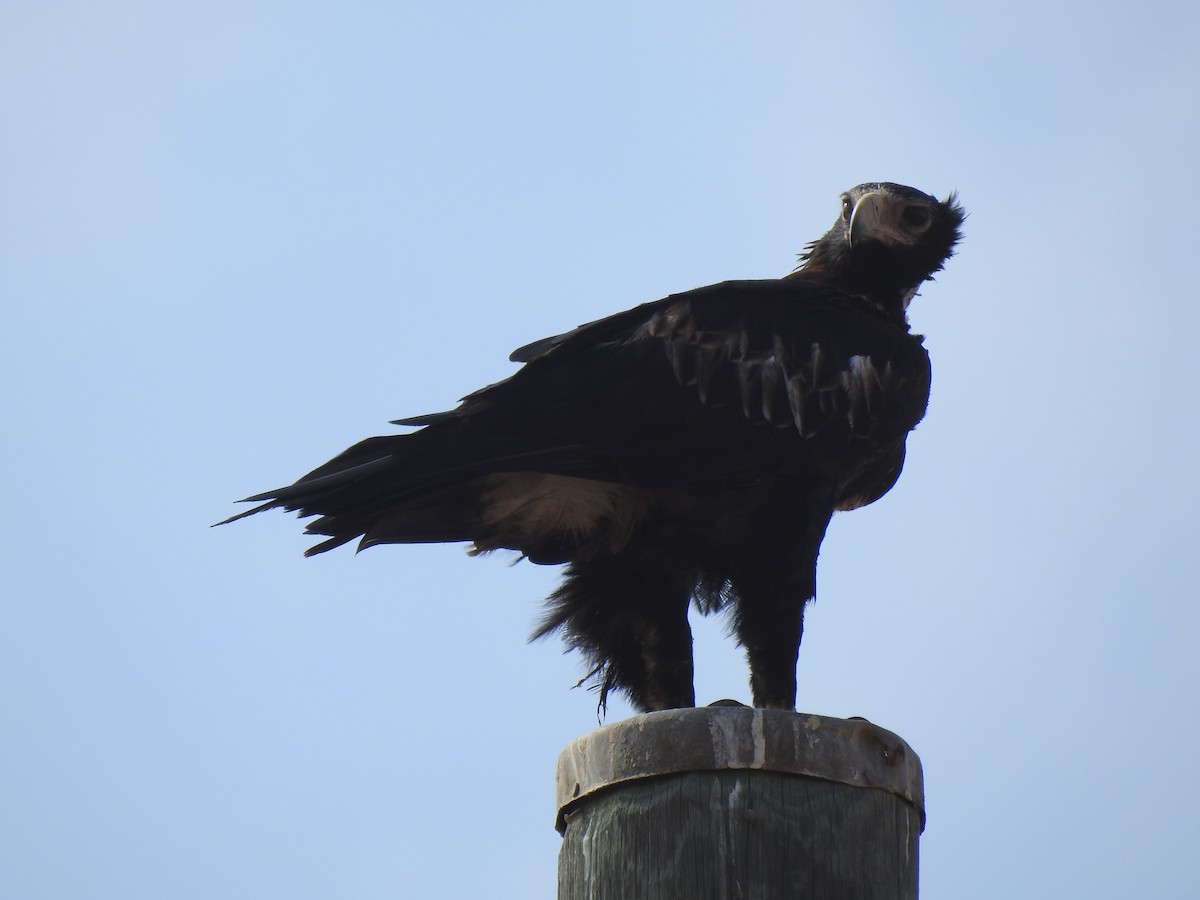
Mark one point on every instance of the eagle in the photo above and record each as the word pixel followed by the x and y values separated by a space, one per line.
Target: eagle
pixel 687 451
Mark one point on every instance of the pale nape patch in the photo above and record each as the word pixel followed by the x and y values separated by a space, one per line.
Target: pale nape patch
pixel 522 508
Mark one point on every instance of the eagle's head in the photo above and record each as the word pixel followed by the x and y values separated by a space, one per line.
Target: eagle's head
pixel 887 241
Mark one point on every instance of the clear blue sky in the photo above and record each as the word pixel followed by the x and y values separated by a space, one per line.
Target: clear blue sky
pixel 237 237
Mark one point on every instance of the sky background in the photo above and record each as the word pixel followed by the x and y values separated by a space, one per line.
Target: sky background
pixel 237 237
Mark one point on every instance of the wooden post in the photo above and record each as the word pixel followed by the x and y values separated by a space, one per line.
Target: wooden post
pixel 731 803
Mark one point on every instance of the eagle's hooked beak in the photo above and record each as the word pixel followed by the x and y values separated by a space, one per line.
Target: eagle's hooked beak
pixel 875 217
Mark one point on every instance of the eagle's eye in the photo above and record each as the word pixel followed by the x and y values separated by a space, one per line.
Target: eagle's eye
pixel 847 207
pixel 916 216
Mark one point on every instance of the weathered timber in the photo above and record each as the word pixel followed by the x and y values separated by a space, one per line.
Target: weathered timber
pixel 732 803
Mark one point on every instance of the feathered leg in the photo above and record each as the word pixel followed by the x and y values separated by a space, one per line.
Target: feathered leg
pixel 628 615
pixel 771 631
pixel 771 589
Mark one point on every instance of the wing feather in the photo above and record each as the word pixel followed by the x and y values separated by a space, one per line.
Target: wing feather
pixel 786 352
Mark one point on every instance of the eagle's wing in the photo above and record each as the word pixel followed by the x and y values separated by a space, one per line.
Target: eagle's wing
pixel 721 385
pixel 794 354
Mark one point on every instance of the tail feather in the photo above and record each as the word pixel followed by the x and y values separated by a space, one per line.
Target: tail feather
pixel 309 486
pixel 248 512
pixel 329 544
pixel 424 487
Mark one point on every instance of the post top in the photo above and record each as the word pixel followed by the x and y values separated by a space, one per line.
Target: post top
pixel 715 738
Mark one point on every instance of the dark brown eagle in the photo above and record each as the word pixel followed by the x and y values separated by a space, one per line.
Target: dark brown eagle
pixel 690 450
